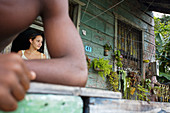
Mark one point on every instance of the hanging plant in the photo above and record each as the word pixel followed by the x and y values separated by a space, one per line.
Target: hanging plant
pixel 114 81
pixel 148 84
pixel 107 48
pixel 124 84
pixel 118 58
pixel 102 66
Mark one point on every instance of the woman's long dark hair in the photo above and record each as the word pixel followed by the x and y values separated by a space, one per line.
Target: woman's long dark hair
pixel 33 36
pixel 22 40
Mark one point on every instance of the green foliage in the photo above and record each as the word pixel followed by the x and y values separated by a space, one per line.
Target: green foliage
pixel 118 58
pixel 167 76
pixel 124 84
pixel 103 65
pixel 107 47
pixel 114 81
pixel 142 93
pixel 162 40
pixel 160 91
pixel 157 90
pixel 162 26
pixel 148 84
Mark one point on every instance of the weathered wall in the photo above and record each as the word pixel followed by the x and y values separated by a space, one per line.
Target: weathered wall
pixel 100 30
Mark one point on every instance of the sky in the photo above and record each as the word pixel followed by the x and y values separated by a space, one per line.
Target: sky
pixel 157 14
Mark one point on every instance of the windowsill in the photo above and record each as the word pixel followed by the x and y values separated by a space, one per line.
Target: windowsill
pixel 44 88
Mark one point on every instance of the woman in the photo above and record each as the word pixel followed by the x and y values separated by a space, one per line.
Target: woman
pixel 32 53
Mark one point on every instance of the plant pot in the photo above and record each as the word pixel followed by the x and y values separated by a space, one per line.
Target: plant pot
pixel 97 69
pixel 106 52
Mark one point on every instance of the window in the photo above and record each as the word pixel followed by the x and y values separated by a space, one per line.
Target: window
pixel 73 12
pixel 129 42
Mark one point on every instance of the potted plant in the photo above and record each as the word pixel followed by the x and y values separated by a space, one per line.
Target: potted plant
pixel 107 48
pixel 102 66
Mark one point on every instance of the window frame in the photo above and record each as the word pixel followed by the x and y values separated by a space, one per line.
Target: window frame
pixel 134 26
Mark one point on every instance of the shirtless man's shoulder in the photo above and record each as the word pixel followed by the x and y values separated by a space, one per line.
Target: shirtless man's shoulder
pixel 15 16
pixel 23 13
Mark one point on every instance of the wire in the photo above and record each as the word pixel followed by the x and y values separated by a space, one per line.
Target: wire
pixel 85 9
pixel 104 11
pixel 149 6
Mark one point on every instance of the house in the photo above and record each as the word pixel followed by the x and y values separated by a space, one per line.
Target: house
pixel 124 24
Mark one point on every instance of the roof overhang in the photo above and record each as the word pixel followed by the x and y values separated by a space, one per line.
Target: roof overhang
pixel 162 6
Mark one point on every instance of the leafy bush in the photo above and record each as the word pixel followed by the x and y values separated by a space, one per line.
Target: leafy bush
pixel 103 66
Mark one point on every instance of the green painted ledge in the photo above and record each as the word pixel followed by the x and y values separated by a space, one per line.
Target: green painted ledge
pixel 48 103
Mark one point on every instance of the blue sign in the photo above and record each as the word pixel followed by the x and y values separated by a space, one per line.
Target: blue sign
pixel 88 49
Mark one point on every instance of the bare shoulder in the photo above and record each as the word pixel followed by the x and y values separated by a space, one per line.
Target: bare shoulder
pixel 27 11
pixel 44 56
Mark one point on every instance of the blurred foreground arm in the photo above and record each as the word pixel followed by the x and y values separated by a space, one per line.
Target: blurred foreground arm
pixel 68 63
pixel 14 81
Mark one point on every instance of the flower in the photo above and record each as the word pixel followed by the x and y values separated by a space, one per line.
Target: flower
pixel 121 56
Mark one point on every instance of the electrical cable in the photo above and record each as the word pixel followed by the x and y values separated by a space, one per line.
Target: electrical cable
pixel 104 11
pixel 85 9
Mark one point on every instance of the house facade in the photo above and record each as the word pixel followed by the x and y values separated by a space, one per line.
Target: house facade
pixel 126 25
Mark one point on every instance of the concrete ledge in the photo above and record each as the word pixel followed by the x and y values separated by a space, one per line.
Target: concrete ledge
pixel 99 105
pixel 42 88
